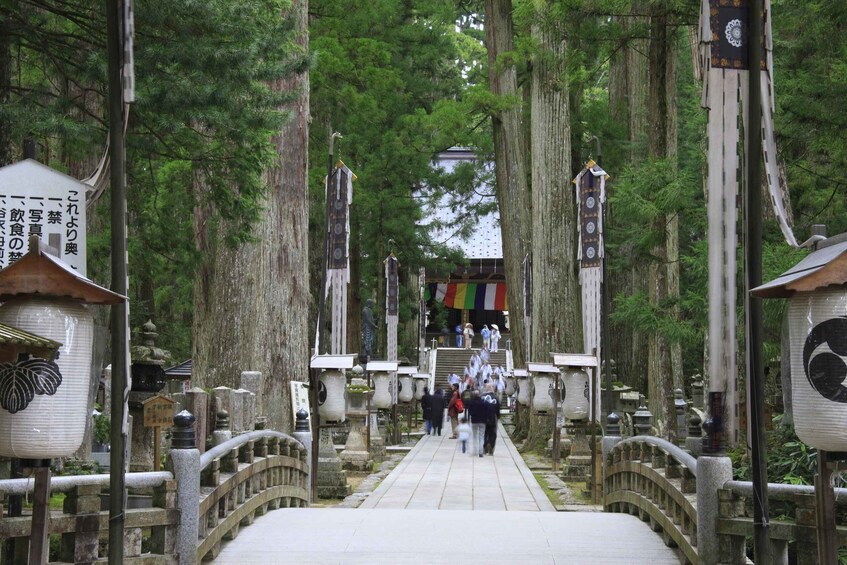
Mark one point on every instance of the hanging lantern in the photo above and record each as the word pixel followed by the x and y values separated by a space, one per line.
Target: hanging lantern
pixel 44 403
pixel 383 377
pixel 542 382
pixel 576 403
pixel 382 390
pixel 522 386
pixel 510 385
pixel 332 385
pixel 332 404
pixel 816 289
pixel 421 380
pixel 405 387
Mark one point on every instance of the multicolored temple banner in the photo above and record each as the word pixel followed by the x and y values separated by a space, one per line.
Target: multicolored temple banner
pixel 469 296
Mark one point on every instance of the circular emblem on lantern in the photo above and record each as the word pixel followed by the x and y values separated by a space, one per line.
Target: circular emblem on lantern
pixel 590 202
pixel 590 227
pixel 321 392
pixel 20 381
pixel 734 33
pixel 825 359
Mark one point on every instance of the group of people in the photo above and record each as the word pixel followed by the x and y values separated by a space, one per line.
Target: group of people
pixel 473 406
pixel 490 337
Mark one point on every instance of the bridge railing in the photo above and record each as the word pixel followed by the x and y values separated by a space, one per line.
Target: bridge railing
pixel 657 481
pixel 735 522
pixel 200 502
pixel 245 477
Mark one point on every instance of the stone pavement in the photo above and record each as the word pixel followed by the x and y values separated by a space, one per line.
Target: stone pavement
pixel 437 475
pixel 439 506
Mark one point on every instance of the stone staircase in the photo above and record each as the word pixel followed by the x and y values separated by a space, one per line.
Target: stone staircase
pixel 453 360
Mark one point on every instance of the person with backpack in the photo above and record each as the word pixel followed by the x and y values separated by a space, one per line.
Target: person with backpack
pixel 492 416
pixel 426 408
pixel 436 404
pixel 478 413
pixel 486 336
pixel 454 408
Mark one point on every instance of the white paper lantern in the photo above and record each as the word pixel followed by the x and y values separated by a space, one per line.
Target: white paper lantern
pixel 405 392
pixel 818 331
pixel 575 405
pixel 510 385
pixel 332 404
pixel 522 386
pixel 541 385
pixel 50 422
pixel 420 384
pixel 382 390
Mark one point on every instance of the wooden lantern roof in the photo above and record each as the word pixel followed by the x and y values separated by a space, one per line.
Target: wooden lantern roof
pixel 40 273
pixel 825 267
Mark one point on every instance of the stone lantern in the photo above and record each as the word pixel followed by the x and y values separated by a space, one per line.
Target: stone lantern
pixel 384 376
pixel 44 402
pixel 642 420
pixel 522 386
pixel 543 377
pixel 816 289
pixel 332 385
pixel 405 389
pixel 355 455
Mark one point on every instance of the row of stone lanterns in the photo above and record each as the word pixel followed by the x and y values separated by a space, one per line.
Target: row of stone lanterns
pixel 538 385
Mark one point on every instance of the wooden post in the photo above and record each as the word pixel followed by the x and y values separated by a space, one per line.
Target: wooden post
pixel 825 510
pixel 556 431
pixel 39 541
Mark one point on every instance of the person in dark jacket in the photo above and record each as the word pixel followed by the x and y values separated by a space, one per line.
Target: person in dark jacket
pixel 492 415
pixel 426 409
pixel 436 404
pixel 478 412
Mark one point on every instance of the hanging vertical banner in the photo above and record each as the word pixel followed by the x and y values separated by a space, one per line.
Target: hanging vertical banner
pixel 527 305
pixel 338 199
pixel 591 197
pixel 724 65
pixel 392 286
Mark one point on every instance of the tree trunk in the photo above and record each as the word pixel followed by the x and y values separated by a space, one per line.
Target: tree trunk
pixel 5 90
pixel 510 156
pixel 628 87
pixel 251 303
pixel 664 359
pixel 557 320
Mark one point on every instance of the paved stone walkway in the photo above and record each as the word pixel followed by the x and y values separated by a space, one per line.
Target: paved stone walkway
pixel 439 506
pixel 437 475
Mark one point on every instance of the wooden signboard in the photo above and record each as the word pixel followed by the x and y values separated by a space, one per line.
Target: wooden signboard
pixel 158 413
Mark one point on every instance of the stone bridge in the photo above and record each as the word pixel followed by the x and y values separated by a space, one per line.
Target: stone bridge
pixel 245 501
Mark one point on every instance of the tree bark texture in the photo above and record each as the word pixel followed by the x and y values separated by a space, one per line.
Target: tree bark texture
pixel 251 303
pixel 5 90
pixel 664 359
pixel 557 319
pixel 628 88
pixel 510 161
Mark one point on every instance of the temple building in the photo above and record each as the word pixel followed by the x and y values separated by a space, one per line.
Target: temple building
pixel 474 292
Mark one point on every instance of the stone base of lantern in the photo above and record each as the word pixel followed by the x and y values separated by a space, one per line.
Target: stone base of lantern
pixel 577 465
pixel 377 446
pixel 355 456
pixel 331 479
pixel 564 447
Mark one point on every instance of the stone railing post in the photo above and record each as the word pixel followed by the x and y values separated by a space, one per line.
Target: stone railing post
pixel 304 436
pixel 82 545
pixel 185 465
pixel 712 474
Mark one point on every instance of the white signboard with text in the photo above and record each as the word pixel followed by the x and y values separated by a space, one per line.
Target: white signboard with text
pixel 36 200
pixel 300 398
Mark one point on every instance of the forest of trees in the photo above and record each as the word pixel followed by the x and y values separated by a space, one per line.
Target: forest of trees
pixel 227 148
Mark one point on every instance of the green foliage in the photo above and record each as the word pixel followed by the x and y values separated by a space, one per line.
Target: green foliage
pixel 102 428
pixel 790 461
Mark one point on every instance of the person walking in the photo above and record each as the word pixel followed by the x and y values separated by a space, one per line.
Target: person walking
pixel 459 336
pixel 486 336
pixel 468 335
pixel 426 409
pixel 478 414
pixel 437 411
pixel 495 338
pixel 492 416
pixel 464 433
pixel 453 410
